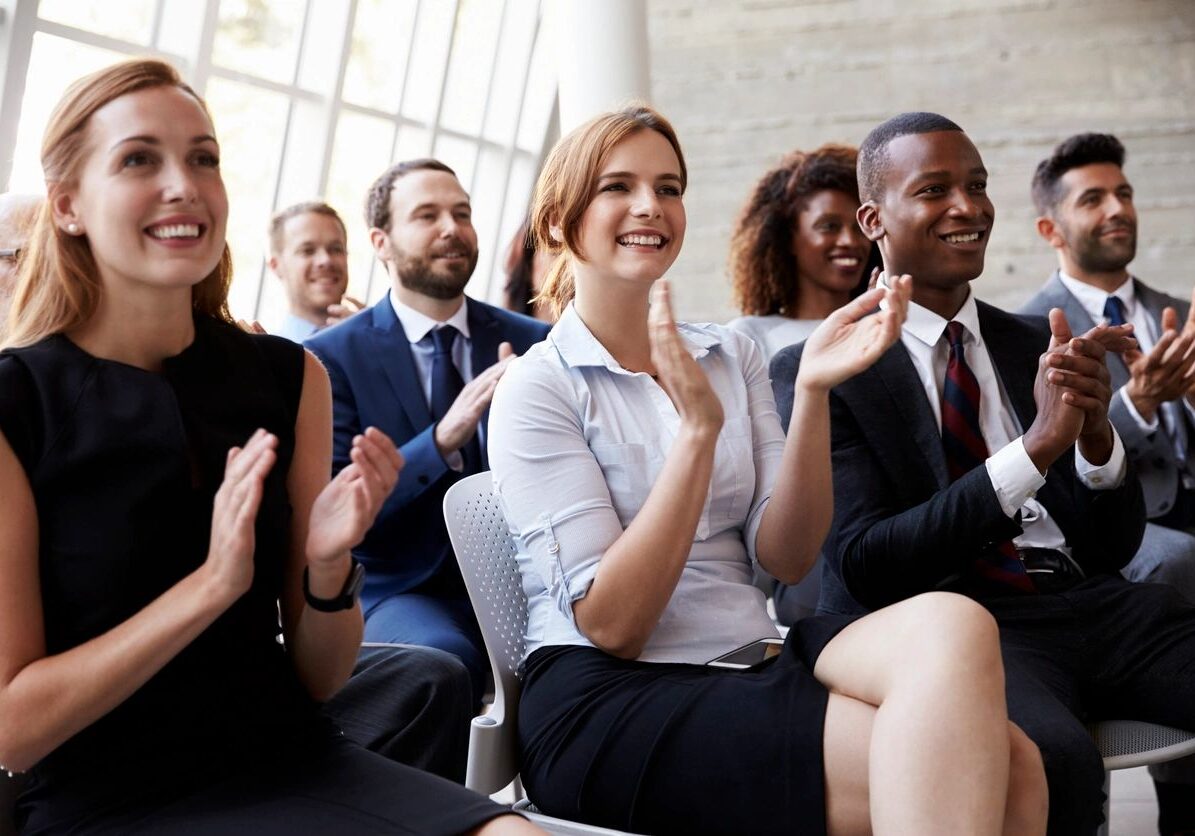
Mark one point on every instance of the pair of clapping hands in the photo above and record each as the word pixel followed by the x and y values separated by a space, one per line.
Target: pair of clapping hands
pixel 1167 372
pixel 340 515
pixel 846 343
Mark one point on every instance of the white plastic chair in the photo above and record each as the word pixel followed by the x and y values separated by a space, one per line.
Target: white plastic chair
pixel 486 554
pixel 1125 744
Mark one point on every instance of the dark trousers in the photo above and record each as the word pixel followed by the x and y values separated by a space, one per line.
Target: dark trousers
pixel 1105 649
pixel 410 704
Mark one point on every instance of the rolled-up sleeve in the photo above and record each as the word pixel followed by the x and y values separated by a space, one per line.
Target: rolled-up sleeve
pixel 548 482
pixel 766 434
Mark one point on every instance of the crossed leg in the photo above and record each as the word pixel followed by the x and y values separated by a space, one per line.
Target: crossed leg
pixel 917 738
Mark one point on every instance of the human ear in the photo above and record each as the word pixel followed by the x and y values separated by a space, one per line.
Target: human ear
pixel 868 216
pixel 1048 229
pixel 556 232
pixel 62 207
pixel 378 239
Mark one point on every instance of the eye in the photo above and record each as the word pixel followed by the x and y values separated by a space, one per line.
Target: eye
pixel 337 250
pixel 979 186
pixel 207 159
pixel 671 191
pixel 614 187
pixel 136 159
pixel 463 215
pixel 933 190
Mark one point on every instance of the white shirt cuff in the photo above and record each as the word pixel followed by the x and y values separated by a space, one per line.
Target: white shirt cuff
pixel 1014 476
pixel 1105 476
pixel 455 461
pixel 1148 426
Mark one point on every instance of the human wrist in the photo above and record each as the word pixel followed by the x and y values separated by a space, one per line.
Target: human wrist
pixel 1146 407
pixel 326 577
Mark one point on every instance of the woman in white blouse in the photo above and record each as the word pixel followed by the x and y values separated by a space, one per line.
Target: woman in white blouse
pixel 636 461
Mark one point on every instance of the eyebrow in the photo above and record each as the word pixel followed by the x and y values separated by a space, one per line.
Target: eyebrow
pixel 934 175
pixel 430 205
pixel 618 175
pixel 153 140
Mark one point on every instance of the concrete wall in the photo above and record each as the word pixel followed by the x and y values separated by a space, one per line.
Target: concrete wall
pixel 747 80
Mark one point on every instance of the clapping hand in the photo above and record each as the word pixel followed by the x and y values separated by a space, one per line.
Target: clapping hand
pixel 849 340
pixel 234 514
pixel 346 507
pixel 677 372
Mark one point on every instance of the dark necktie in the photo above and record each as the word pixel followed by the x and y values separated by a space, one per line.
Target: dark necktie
pixel 1114 310
pixel 965 450
pixel 447 384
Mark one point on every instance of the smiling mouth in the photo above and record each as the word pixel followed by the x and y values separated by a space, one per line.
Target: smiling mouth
pixel 845 261
pixel 654 241
pixel 962 237
pixel 172 232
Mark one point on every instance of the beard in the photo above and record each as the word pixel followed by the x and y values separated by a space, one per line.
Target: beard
pixel 426 275
pixel 1096 255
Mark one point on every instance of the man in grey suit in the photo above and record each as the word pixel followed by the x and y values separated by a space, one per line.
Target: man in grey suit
pixel 1086 213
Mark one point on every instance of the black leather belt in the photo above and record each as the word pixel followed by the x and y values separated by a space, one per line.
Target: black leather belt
pixel 1051 570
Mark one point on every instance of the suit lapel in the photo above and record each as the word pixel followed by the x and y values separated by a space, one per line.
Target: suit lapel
pixel 906 398
pixel 485 334
pixel 1014 353
pixel 391 359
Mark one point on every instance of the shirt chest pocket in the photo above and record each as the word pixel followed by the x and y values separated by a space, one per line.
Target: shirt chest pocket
pixel 625 468
pixel 733 485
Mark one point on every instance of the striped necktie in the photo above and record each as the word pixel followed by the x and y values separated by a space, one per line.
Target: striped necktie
pixel 962 441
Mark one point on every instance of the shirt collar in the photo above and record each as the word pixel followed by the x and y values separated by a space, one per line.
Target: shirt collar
pixel 1093 298
pixel 579 347
pixel 927 327
pixel 418 325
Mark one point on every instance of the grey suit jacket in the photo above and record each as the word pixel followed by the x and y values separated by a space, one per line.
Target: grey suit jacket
pixel 1151 453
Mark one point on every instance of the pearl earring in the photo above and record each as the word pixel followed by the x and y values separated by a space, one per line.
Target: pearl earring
pixel 73 229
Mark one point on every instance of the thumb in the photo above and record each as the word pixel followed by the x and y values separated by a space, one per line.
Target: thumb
pixel 505 350
pixel 1060 329
pixel 1169 319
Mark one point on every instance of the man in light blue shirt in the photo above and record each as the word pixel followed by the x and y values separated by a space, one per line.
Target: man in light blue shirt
pixel 309 255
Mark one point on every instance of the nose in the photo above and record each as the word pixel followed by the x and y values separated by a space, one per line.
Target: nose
pixel 646 202
pixel 179 185
pixel 850 235
pixel 965 204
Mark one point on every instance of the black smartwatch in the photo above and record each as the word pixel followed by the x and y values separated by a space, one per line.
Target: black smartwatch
pixel 347 598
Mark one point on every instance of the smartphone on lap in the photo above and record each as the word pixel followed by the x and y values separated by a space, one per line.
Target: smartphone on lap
pixel 749 655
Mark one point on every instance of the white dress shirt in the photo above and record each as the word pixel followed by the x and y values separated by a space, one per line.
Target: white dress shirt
pixel 576 443
pixel 1015 478
pixel 418 328
pixel 774 332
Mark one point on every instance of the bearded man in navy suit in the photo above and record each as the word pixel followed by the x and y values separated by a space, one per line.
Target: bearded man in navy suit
pixel 976 456
pixel 421 365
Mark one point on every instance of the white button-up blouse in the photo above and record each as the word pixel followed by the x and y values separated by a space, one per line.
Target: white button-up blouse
pixel 576 443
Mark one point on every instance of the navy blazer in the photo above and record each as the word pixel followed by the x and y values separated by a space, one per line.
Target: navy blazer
pixel 1152 453
pixel 375 383
pixel 900 526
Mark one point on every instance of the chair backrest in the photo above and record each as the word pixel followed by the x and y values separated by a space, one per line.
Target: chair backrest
pixel 486 554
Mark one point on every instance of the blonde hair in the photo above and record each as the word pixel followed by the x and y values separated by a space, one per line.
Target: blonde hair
pixel 566 183
pixel 58 287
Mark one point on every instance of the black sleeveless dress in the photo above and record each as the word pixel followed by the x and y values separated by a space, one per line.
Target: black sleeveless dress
pixel 124 465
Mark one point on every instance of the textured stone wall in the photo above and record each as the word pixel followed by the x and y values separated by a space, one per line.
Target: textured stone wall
pixel 747 80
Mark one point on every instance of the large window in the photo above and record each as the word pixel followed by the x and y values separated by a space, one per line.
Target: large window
pixel 312 99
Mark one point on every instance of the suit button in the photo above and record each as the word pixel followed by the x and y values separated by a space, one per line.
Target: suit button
pixel 1165 506
pixel 423 480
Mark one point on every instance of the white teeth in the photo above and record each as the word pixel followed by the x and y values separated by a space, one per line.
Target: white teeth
pixel 175 231
pixel 641 240
pixel 962 238
pixel 846 261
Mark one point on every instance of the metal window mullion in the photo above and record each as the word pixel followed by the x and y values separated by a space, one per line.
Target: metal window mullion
pixel 22 27
pixel 291 90
pixel 155 31
pixel 435 126
pixel 290 113
pixel 514 141
pixel 332 115
pixel 202 68
pixel 95 39
pixel 489 94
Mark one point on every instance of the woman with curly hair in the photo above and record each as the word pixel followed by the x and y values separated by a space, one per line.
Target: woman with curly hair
pixel 797 253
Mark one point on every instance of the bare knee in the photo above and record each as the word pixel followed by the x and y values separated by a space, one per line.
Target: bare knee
pixel 1028 796
pixel 954 629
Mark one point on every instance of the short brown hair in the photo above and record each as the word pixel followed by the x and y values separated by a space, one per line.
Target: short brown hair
pixel 763 269
pixel 309 207
pixel 59 285
pixel 377 202
pixel 566 184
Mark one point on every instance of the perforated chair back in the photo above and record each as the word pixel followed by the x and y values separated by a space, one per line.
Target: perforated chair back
pixel 1125 744
pixel 486 554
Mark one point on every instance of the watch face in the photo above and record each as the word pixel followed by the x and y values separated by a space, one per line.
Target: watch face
pixel 352 587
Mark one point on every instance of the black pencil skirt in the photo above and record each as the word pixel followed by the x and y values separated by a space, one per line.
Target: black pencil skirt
pixel 678 748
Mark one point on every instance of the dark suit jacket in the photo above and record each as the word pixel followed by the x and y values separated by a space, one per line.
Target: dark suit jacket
pixel 900 527
pixel 1152 453
pixel 375 383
